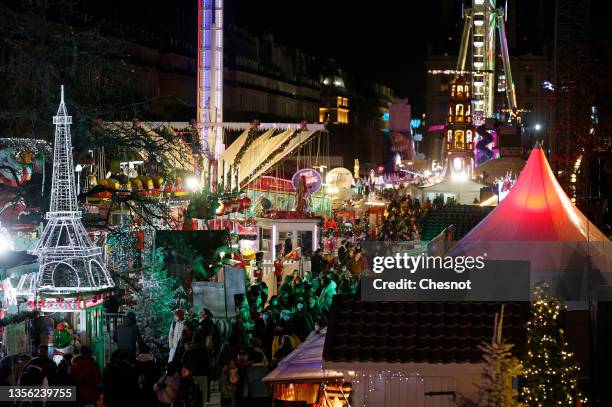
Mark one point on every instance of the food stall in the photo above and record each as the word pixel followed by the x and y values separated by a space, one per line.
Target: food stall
pixel 272 232
pixel 300 380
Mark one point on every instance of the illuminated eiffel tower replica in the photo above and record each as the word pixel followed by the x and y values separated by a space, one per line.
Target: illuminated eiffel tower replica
pixel 70 264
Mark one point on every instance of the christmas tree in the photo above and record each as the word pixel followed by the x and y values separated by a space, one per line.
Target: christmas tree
pixel 247 322
pixel 496 389
pixel 550 371
pixel 156 300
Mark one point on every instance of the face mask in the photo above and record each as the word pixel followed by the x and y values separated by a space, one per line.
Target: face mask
pixel 286 318
pixel 265 317
pixel 300 307
pixel 176 319
pixel 317 327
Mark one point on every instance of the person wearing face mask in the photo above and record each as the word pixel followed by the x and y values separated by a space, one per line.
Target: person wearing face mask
pixel 264 330
pixel 313 308
pixel 274 308
pixel 302 321
pixel 176 333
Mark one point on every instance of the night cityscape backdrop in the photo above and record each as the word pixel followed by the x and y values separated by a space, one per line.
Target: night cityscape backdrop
pixel 199 197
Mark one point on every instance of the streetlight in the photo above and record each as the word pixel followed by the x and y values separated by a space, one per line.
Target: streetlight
pixel 537 127
pixel 78 170
pixel 192 184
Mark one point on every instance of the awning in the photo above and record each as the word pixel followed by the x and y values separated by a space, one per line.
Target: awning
pixel 304 364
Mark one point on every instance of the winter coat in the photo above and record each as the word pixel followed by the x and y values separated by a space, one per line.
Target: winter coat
pixel 32 375
pixel 147 374
pixel 252 384
pixel 86 375
pixel 302 324
pixel 189 394
pixel 197 354
pixel 127 336
pixel 119 385
pixel 46 366
pixel 175 334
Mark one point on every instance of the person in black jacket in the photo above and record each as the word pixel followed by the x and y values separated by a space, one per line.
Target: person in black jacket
pixel 196 356
pixel 47 367
pixel 119 380
pixel 316 263
pixel 147 373
pixel 190 393
pixel 127 336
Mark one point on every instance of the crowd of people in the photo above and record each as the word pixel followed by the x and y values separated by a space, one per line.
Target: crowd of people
pixel 265 330
pixel 404 217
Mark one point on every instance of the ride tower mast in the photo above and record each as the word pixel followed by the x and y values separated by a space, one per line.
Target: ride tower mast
pixel 210 83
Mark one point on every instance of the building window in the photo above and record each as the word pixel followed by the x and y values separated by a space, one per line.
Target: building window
pixel 449 136
pixel 345 102
pixel 459 113
pixel 459 140
pixel 468 136
pixel 459 90
pixel 339 101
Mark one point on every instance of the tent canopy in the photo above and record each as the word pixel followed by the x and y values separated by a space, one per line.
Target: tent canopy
pixel 464 191
pixel 538 222
pixel 536 208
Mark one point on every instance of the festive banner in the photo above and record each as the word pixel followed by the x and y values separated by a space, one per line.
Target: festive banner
pixel 267 183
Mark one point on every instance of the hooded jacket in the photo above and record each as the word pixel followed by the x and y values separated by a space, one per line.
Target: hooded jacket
pixel 127 336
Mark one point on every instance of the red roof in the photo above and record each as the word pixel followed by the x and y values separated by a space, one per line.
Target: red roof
pixel 537 209
pixel 537 222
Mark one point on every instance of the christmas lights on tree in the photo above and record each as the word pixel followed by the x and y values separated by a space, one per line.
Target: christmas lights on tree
pixel 550 371
pixel 157 299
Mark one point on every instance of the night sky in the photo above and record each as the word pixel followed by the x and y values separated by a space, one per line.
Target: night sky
pixel 385 40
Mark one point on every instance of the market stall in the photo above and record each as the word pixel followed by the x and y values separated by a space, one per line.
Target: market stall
pixel 300 380
pixel 286 227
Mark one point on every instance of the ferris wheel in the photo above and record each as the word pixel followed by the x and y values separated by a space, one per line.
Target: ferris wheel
pixel 484 28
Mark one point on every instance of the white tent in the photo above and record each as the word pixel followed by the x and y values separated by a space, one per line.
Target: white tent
pixel 463 191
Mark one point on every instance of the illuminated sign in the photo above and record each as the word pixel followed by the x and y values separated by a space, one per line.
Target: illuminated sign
pixel 313 179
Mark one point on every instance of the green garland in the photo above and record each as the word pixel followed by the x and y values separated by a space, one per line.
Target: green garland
pixel 17 318
pixel 273 155
pixel 251 137
pixel 76 295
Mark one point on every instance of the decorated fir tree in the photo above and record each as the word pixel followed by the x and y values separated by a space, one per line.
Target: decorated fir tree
pixel 156 300
pixel 501 367
pixel 550 371
pixel 247 322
